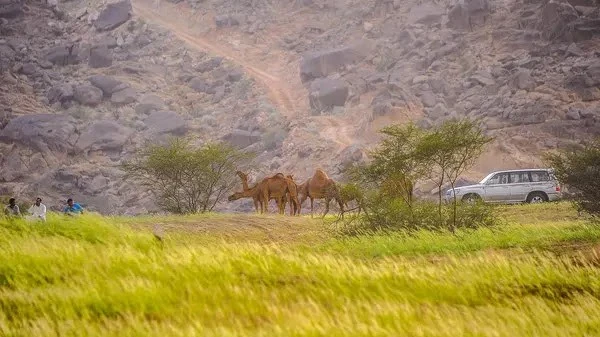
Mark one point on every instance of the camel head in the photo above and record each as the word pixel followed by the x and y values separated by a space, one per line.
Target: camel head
pixel 242 175
pixel 290 176
pixel 235 196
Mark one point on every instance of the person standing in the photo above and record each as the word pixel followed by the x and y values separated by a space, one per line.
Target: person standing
pixel 12 210
pixel 37 211
pixel 73 208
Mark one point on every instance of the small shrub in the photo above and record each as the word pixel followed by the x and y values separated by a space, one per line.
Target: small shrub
pixel 394 215
pixel 242 89
pixel 579 169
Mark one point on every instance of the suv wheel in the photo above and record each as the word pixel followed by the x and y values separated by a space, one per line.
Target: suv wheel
pixel 471 198
pixel 536 198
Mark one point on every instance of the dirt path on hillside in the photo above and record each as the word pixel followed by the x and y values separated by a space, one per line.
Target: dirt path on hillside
pixel 277 91
pixel 282 94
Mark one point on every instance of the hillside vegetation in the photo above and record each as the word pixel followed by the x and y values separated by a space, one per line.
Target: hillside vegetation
pixel 246 275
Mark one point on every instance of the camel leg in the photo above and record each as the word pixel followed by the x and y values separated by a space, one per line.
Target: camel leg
pixel 311 206
pixel 266 201
pixel 256 205
pixel 296 206
pixel 341 203
pixel 327 201
pixel 281 205
pixel 301 202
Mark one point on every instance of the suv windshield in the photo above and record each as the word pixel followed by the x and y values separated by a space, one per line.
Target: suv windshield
pixel 486 178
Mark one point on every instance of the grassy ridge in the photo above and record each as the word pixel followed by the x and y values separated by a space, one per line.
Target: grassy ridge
pixel 94 276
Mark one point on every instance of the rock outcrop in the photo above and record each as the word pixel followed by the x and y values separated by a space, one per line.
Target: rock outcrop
pixel 42 132
pixel 113 15
pixel 327 93
pixel 103 135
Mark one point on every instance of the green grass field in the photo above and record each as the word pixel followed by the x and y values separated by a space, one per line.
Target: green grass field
pixel 247 275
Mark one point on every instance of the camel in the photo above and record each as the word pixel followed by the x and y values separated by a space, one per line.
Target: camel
pixel 297 206
pixel 279 187
pixel 276 187
pixel 320 186
pixel 254 192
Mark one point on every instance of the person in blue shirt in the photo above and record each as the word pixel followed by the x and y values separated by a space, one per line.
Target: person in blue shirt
pixel 73 208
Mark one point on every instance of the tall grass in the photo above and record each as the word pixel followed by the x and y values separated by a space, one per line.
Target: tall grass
pixel 90 276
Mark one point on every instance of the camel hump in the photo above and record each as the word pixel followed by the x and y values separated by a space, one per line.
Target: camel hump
pixel 279 175
pixel 320 175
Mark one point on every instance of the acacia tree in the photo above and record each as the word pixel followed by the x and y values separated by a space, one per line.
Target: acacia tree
pixel 185 179
pixel 395 166
pixel 465 141
pixel 579 169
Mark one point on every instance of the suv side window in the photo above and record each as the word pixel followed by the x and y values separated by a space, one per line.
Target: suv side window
pixel 519 177
pixel 538 176
pixel 500 178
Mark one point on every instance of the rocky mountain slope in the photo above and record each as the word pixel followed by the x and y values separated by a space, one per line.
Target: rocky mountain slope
pixel 303 83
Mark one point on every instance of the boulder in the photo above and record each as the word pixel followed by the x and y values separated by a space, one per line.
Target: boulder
pixel 43 132
pixel 483 78
pixel 590 94
pixel 100 57
pixel 12 167
pixel 585 10
pixel 108 41
pixel 573 114
pixel 209 65
pixel 352 154
pixel 523 80
pixel 10 8
pixel 28 69
pixel 104 135
pixel 62 55
pixel 466 13
pixel 226 21
pixel 556 18
pixel 107 84
pixel 165 122
pixel 326 93
pixel 235 76
pixel 325 62
pixel 60 93
pixel 87 95
pixel 428 99
pixel 574 50
pixel 149 103
pixel 113 15
pixel 125 96
pixel 242 138
pixel 593 74
pixel 426 13
pixel 201 85
pixel 219 95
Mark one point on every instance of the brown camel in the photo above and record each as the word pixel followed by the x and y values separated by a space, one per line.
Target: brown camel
pixel 254 192
pixel 276 187
pixel 279 187
pixel 320 186
pixel 296 202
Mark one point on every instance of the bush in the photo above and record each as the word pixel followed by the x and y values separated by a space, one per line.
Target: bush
pixel 393 215
pixel 185 179
pixel 579 169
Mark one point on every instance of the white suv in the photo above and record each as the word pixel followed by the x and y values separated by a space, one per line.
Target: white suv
pixel 514 186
